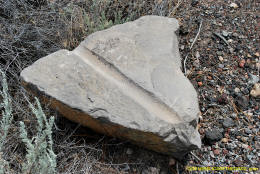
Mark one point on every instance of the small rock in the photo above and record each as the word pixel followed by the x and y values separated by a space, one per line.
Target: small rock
pixel 242 63
pixel 182 47
pixel 249 157
pixel 244 146
pixel 224 140
pixel 234 115
pixel 194 2
pixel 224 33
pixel 257 54
pixel 230 146
pixel 225 151
pixel 233 5
pixel 172 162
pixel 238 162
pixel 227 135
pixel 221 66
pixel 212 136
pixel 206 163
pixel 200 83
pixel 242 102
pixel 231 50
pixel 228 122
pixel 216 152
pixel 223 99
pixel 150 170
pixel 253 78
pixel 163 171
pixel 248 131
pixel 129 151
pixel 237 90
pixel 230 40
pixel 197 54
pixel 201 131
pixel 219 53
pixel 221 58
pixel 255 92
pixel 244 139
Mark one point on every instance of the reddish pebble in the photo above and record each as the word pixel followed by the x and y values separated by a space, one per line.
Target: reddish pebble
pixel 201 131
pixel 172 162
pixel 225 151
pixel 242 63
pixel 216 152
pixel 200 83
pixel 227 135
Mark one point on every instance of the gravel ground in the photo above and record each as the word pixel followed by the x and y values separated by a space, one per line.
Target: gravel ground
pixel 223 66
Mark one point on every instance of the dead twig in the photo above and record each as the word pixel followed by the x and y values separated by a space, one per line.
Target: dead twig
pixel 175 8
pixel 195 39
pixel 196 157
pixel 221 37
pixel 177 168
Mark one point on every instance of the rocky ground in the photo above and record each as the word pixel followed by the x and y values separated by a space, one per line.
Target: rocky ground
pixel 223 66
pixel 222 62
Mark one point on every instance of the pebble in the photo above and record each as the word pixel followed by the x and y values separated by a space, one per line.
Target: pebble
pixel 255 92
pixel 216 152
pixel 257 54
pixel 230 146
pixel 194 2
pixel 237 90
pixel 233 5
pixel 206 163
pixel 151 170
pixel 221 66
pixel 242 63
pixel 225 151
pixel 172 162
pixel 129 151
pixel 220 58
pixel 242 102
pixel 201 131
pixel 197 54
pixel 200 83
pixel 253 79
pixel 212 136
pixel 238 162
pixel 234 115
pixel 224 33
pixel 219 53
pixel 212 154
pixel 228 122
pixel 224 140
pixel 248 131
pixel 244 146
pixel 244 139
pixel 249 157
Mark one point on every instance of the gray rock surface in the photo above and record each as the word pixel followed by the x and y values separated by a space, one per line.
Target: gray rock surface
pixel 124 82
pixel 228 122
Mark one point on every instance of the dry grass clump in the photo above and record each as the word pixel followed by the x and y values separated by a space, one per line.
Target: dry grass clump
pixel 31 29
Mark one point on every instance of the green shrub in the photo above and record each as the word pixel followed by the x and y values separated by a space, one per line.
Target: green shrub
pixel 40 157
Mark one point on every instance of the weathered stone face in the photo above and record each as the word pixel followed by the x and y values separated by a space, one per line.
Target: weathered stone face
pixel 124 82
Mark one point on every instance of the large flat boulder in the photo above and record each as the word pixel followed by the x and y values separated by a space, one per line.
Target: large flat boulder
pixel 124 82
